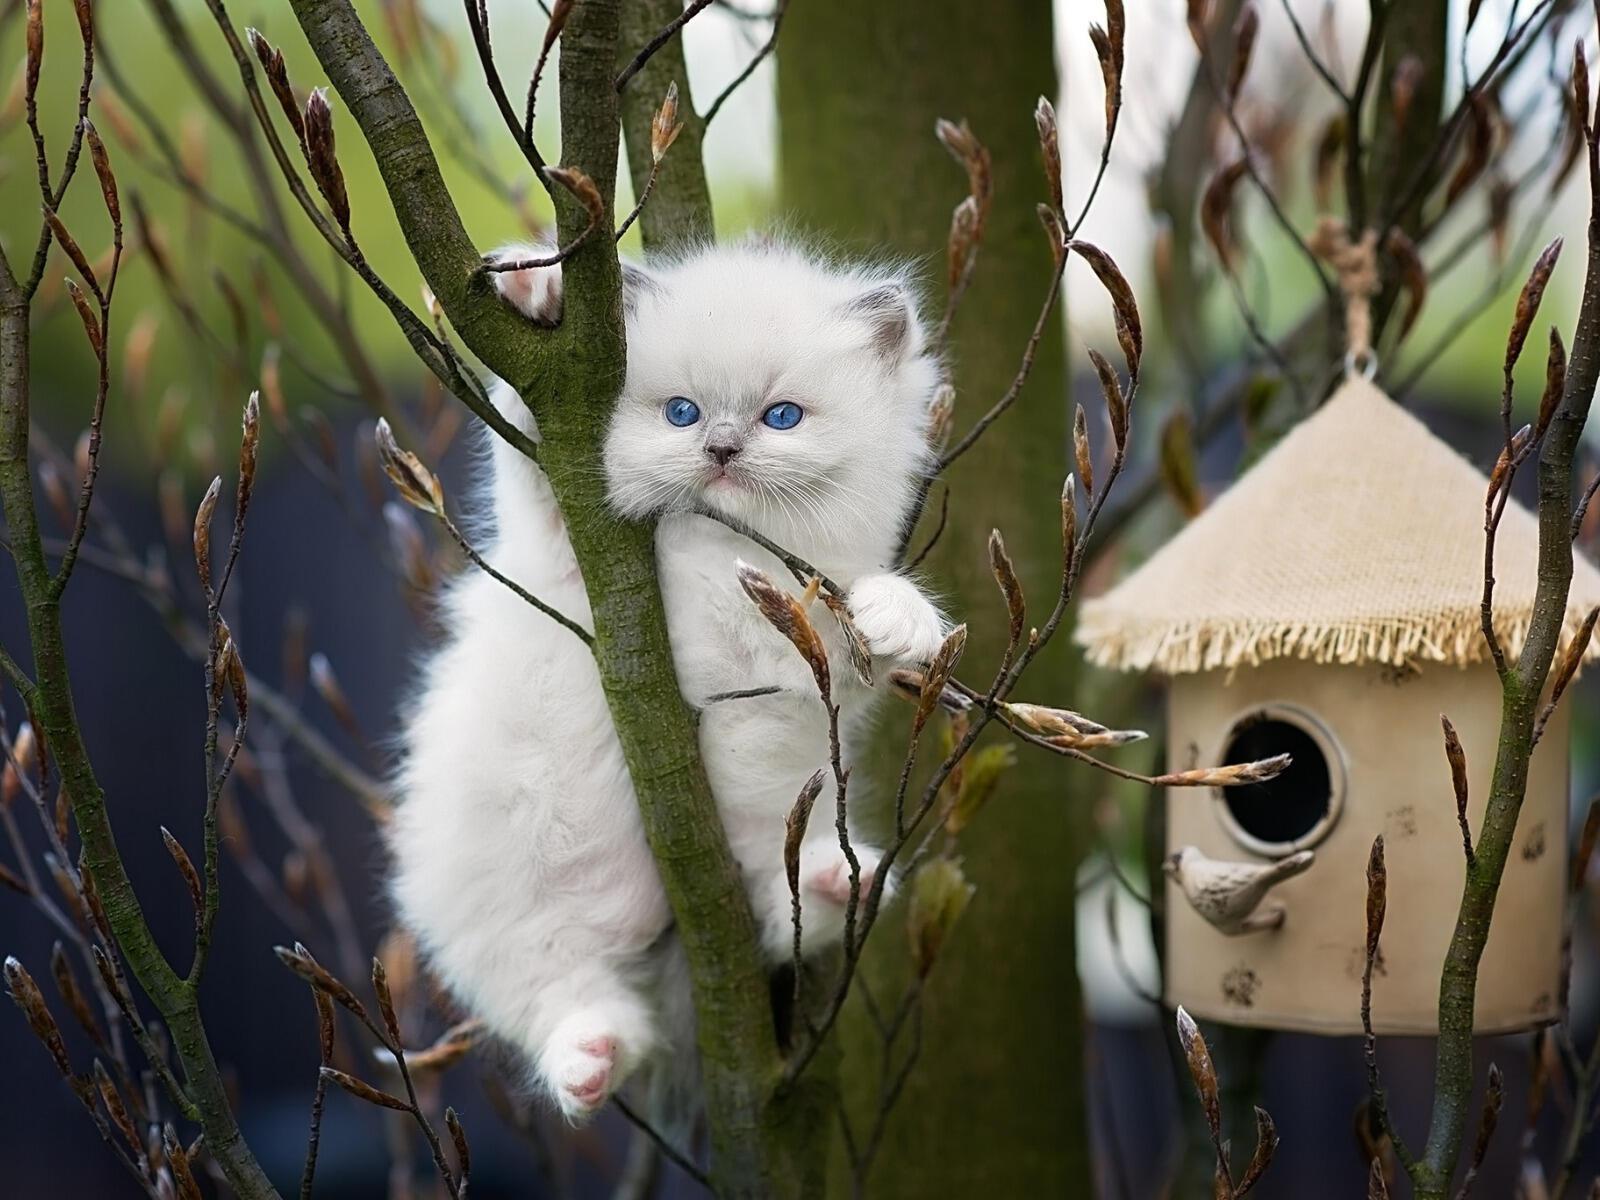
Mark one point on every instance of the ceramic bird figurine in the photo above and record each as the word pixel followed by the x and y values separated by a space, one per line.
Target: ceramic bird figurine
pixel 1229 894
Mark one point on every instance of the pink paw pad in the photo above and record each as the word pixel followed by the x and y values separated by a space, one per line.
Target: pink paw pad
pixel 589 1077
pixel 832 882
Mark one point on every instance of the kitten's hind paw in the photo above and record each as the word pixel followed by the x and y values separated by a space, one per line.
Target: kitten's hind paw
pixel 581 1068
pixel 830 879
pixel 896 619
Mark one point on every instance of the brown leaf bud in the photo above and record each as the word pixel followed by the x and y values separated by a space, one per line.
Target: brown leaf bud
pixel 1555 383
pixel 1457 758
pixel 202 532
pixel 1130 329
pixel 794 828
pixel 380 988
pixel 941 414
pixel 1069 519
pixel 417 485
pixel 277 73
pixel 326 1026
pixel 1571 660
pixel 185 865
pixel 1201 1069
pixel 665 126
pixel 272 387
pixel 91 323
pixel 111 1097
pixel 365 1091
pixel 1528 301
pixel 1044 119
pixel 1326 157
pixel 1055 231
pixel 1234 775
pixel 35 44
pixel 20 765
pixel 178 1160
pixel 102 169
pixel 1197 18
pixel 1266 1147
pixel 72 249
pixel 582 187
pixel 931 688
pixel 1479 144
pixel 458 1136
pixel 962 244
pixel 1509 455
pixel 786 614
pixel 326 684
pixel 322 157
pixel 1082 450
pixel 1245 30
pixel 1408 75
pixel 249 444
pixel 973 156
pixel 1580 90
pixel 1051 721
pixel 299 961
pixel 1216 212
pixel 1377 896
pixel 1116 403
pixel 1108 51
pixel 1413 276
pixel 1005 574
pixel 25 992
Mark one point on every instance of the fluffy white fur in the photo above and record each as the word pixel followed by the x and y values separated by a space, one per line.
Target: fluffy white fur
pixel 519 858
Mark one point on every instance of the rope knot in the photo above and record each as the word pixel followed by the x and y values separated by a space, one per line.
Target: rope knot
pixel 1356 262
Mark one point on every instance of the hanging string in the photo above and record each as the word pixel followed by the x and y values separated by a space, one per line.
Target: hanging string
pixel 1357 265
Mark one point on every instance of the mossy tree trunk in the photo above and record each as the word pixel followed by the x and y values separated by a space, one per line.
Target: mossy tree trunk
pixel 996 1104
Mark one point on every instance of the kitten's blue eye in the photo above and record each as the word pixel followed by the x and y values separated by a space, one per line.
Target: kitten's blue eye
pixel 682 411
pixel 784 415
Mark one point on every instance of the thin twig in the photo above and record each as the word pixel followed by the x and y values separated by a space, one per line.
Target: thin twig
pixel 659 40
pixel 750 67
pixel 560 618
pixel 671 1152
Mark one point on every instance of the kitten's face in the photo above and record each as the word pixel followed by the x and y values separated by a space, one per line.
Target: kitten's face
pixel 770 389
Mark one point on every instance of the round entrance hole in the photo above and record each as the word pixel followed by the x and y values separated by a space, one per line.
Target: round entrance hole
pixel 1300 806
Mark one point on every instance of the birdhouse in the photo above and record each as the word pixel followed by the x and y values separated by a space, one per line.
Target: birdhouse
pixel 1328 606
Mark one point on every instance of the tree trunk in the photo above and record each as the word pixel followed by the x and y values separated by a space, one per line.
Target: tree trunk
pixel 996 1104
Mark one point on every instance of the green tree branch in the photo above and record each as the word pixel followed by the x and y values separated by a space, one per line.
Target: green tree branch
pixel 1523 688
pixel 570 377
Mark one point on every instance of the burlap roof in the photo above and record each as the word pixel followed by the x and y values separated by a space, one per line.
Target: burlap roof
pixel 1357 539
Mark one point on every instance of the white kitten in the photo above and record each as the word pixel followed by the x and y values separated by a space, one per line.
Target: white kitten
pixel 789 394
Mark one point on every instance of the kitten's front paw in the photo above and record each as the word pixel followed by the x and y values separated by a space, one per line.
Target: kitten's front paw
pixel 581 1067
pixel 896 619
pixel 536 292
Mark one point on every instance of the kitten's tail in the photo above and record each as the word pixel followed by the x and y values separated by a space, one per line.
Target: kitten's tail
pixel 671 1087
pixel 518 481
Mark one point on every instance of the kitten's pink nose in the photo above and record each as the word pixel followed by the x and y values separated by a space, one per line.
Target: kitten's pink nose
pixel 722 450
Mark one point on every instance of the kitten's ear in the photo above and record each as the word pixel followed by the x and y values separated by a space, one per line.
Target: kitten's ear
pixel 638 284
pixel 535 292
pixel 887 313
